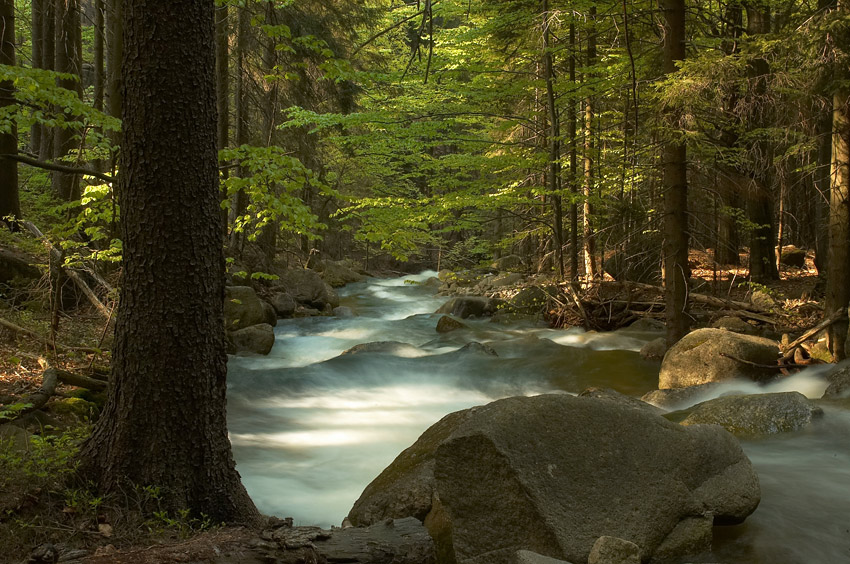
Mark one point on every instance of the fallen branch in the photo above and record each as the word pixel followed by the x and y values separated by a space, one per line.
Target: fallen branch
pixel 73 275
pixel 42 340
pixel 57 167
pixel 814 330
pixel 79 380
pixel 38 399
pixel 696 298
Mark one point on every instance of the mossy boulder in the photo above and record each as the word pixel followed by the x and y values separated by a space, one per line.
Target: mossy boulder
pixel 76 408
pixel 713 355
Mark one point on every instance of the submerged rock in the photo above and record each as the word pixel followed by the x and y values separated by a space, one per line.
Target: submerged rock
pixel 755 415
pixel 396 348
pixel 713 355
pixel 678 398
pixel 448 324
pixel 567 471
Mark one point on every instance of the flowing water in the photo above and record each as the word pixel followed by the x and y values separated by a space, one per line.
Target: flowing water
pixel 311 427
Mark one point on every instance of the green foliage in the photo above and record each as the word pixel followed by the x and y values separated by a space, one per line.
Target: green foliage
pixel 12 412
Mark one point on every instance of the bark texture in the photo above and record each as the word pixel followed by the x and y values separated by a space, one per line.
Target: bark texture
pixel 676 238
pixel 164 424
pixel 10 205
pixel 69 60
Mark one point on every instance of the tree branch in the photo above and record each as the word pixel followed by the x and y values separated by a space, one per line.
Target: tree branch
pixel 57 167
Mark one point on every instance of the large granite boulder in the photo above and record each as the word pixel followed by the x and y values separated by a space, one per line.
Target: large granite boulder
pixel 469 306
pixel 283 304
pixel 243 308
pixel 553 473
pixel 308 288
pixel 755 415
pixel 712 355
pixel 839 382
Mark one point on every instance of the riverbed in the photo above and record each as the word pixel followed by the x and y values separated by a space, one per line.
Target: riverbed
pixel 311 427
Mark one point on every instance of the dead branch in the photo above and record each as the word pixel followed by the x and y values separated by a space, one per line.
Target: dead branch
pixel 814 330
pixel 72 274
pixel 42 340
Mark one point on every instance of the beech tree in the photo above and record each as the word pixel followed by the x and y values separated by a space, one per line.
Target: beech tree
pixel 164 423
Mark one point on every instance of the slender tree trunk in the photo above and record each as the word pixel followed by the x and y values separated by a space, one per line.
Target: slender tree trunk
pixel 99 43
pixel 48 59
pixel 10 205
pixel 838 264
pixel 268 235
pixel 554 169
pixel 222 77
pixel 571 133
pixel 115 53
pixel 240 199
pixel 164 423
pixel 68 60
pixel 590 269
pixel 37 63
pixel 676 237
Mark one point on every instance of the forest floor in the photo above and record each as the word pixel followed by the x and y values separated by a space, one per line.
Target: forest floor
pixel 38 507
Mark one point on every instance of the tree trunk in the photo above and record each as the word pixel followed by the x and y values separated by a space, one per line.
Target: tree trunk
pixel 838 264
pixel 37 63
pixel 222 77
pixel 590 269
pixel 760 197
pixel 48 59
pixel 571 133
pixel 99 30
pixel 68 60
pixel 676 238
pixel 115 53
pixel 553 174
pixel 10 205
pixel 164 422
pixel 240 199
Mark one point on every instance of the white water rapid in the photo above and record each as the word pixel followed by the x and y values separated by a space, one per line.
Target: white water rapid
pixel 310 428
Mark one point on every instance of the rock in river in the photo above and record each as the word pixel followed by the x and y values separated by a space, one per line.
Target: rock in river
pixel 553 473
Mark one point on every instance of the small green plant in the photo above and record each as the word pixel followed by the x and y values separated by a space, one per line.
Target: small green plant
pixel 12 412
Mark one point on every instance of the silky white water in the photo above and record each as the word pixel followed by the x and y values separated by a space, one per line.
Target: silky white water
pixel 310 428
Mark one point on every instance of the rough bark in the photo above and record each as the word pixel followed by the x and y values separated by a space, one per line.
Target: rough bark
pixel 222 77
pixel 838 263
pixel 68 59
pixel 676 238
pixel 115 53
pixel 553 175
pixel 571 133
pixel 10 205
pixel 590 269
pixel 164 423
pixel 37 63
pixel 240 199
pixel 99 30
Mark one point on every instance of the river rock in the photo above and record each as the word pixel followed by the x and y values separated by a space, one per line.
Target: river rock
pixel 337 274
pixel 395 348
pixel 755 415
pixel 679 398
pixel 257 339
pixel 839 381
pixel 736 324
pixel 308 288
pixel 269 313
pixel 611 550
pixel 242 308
pixel 568 470
pixel 607 394
pixel 528 557
pixel 648 324
pixel 343 311
pixel 698 358
pixel 509 262
pixel 283 304
pixel 654 350
pixel 448 324
pixel 469 306
pixel 530 299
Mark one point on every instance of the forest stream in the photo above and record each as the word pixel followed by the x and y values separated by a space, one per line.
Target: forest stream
pixel 311 427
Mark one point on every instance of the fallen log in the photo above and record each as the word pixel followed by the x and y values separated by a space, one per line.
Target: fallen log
pixel 814 330
pixel 39 398
pixel 696 298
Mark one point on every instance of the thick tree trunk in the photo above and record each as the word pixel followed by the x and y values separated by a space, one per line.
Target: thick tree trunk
pixel 68 60
pixel 10 205
pixel 164 423
pixel 676 238
pixel 590 269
